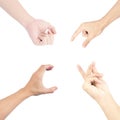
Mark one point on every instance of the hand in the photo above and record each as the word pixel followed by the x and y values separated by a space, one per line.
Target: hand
pixel 35 85
pixel 41 32
pixel 89 30
pixel 93 83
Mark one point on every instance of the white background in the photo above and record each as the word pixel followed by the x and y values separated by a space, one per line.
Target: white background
pixel 19 58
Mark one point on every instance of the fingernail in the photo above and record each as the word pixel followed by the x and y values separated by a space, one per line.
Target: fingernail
pixel 49 68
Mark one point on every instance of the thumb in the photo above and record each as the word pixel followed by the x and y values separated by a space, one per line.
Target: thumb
pixel 51 90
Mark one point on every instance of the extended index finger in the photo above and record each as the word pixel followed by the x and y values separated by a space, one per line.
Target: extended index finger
pixel 75 34
pixel 81 71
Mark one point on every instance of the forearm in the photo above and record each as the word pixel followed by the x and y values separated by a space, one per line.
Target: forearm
pixel 109 107
pixel 7 105
pixel 15 9
pixel 112 15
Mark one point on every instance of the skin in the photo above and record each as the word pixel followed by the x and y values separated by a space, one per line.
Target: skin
pixel 34 87
pixel 92 29
pixel 96 87
pixel 36 28
pixel 41 33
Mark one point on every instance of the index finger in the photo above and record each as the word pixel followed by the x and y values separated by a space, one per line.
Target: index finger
pixel 81 71
pixel 76 33
pixel 43 68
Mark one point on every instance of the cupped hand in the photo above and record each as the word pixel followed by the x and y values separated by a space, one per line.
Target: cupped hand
pixel 35 85
pixel 41 32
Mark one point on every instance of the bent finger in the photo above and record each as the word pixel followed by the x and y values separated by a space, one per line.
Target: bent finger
pixel 52 29
pixel 41 70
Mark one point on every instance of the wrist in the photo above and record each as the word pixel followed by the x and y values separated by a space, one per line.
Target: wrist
pixel 104 98
pixel 27 21
pixel 107 102
pixel 25 93
pixel 109 107
pixel 106 20
pixel 103 23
